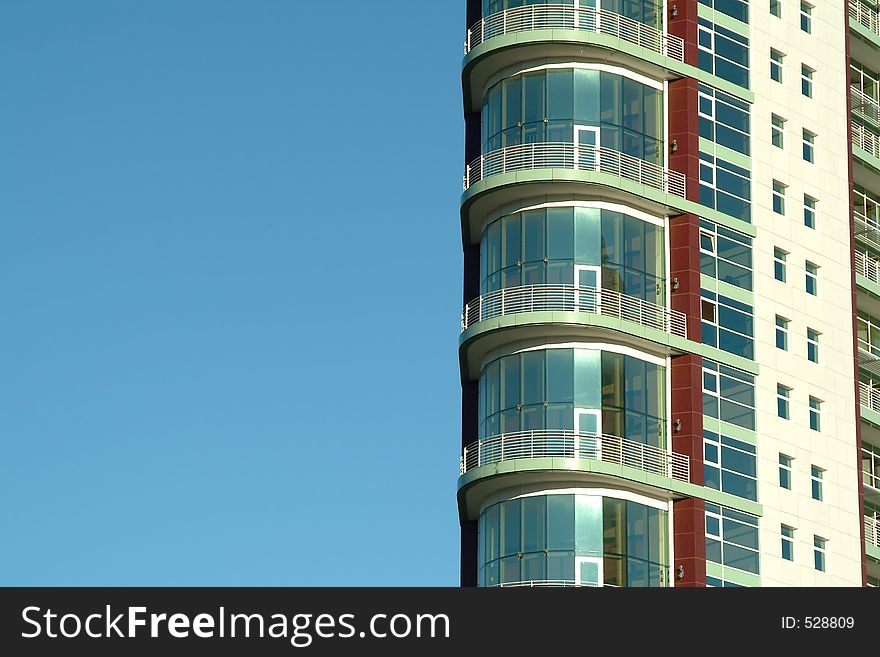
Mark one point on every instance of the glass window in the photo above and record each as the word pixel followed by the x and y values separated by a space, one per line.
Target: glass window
pixel 816 483
pixel 730 465
pixel 732 538
pixel 780 258
pixel 776 58
pixel 725 187
pixel 725 255
pixel 815 414
pixel 806 17
pixel 777 131
pixel 723 52
pixel 812 278
pixel 809 146
pixel 785 471
pixel 728 394
pixel 776 8
pixel 810 211
pixel 724 119
pixel 813 345
pixel 781 333
pixel 819 553
pixel 807 80
pixel 778 197
pixel 787 543
pixel 782 401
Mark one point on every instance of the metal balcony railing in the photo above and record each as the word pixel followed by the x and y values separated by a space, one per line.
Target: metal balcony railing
pixel 570 298
pixel 550 583
pixel 865 139
pixel 867 229
pixel 869 396
pixel 572 445
pixel 567 17
pixel 872 530
pixel 564 155
pixel 868 266
pixel 864 105
pixel 865 15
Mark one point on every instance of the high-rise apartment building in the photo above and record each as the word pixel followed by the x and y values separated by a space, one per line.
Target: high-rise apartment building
pixel 670 347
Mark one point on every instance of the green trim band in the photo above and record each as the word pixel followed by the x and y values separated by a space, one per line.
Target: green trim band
pixel 728 429
pixel 732 291
pixel 723 19
pixel 864 33
pixel 868 286
pixel 602 321
pixel 737 158
pixel 872 551
pixel 683 488
pixel 866 158
pixel 734 575
pixel 869 416
pixel 495 181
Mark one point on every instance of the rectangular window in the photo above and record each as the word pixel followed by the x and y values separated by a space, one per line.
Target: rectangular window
pixel 806 18
pixel 776 58
pixel 816 483
pixel 782 396
pixel 781 333
pixel 730 465
pixel 725 187
pixel 732 538
pixel 777 131
pixel 725 254
pixel 819 553
pixel 727 324
pixel 723 52
pixel 787 542
pixel 724 120
pixel 778 197
pixel 809 146
pixel 812 278
pixel 813 345
pixel 807 80
pixel 738 9
pixel 810 211
pixel 785 471
pixel 780 258
pixel 728 394
pixel 776 8
pixel 815 414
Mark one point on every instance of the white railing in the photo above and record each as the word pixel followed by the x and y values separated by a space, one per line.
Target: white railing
pixel 550 583
pixel 868 266
pixel 564 155
pixel 869 396
pixel 570 298
pixel 872 474
pixel 867 229
pixel 865 15
pixel 865 139
pixel 872 530
pixel 569 444
pixel 567 17
pixel 864 105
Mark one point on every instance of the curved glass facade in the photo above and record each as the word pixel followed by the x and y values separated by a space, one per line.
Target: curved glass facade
pixel 545 106
pixel 643 11
pixel 549 389
pixel 573 539
pixel 542 246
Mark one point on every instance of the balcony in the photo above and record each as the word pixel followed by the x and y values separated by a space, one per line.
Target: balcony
pixel 570 298
pixel 872 531
pixel 863 138
pixel 563 155
pixel 864 106
pixel 572 445
pixel 567 17
pixel 868 266
pixel 867 230
pixel 549 583
pixel 869 394
pixel 865 15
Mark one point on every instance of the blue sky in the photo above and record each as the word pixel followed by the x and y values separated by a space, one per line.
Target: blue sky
pixel 230 280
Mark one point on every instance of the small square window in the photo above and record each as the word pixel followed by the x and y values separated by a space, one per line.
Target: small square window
pixel 708 311
pixel 806 18
pixel 787 542
pixel 810 211
pixel 815 414
pixel 812 278
pixel 809 146
pixel 776 58
pixel 776 8
pixel 778 197
pixel 777 131
pixel 807 80
pixel 782 396
pixel 813 345
pixel 781 333
pixel 785 471
pixel 707 242
pixel 780 258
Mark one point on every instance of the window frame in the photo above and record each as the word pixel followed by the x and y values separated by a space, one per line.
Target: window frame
pixel 810 210
pixel 782 332
pixel 807 80
pixel 811 278
pixel 808 141
pixel 786 534
pixel 780 265
pixel 777 64
pixel 778 193
pixel 820 549
pixel 777 131
pixel 785 471
pixel 815 414
pixel 813 345
pixel 783 401
pixel 817 489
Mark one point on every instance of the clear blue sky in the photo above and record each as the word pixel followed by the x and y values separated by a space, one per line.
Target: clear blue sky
pixel 230 280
